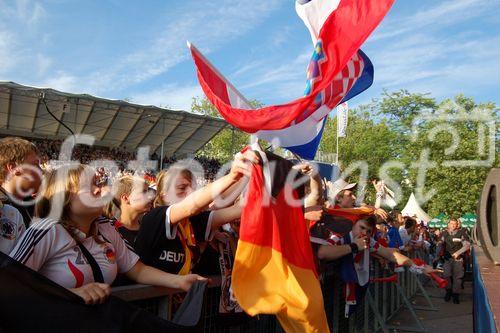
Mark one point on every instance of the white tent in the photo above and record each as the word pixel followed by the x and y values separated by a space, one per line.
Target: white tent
pixel 413 209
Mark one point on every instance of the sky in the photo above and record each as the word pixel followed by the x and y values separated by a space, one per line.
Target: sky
pixel 137 50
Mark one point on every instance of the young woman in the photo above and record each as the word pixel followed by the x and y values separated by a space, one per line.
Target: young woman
pixel 133 199
pixel 72 246
pixel 173 231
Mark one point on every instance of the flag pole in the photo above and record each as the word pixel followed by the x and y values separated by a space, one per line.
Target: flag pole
pixel 337 154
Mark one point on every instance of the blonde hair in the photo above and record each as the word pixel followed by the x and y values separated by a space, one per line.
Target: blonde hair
pixel 14 150
pixel 165 179
pixel 53 186
pixel 123 186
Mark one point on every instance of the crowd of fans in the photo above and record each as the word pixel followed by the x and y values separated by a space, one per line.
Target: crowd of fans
pixel 163 229
pixel 50 150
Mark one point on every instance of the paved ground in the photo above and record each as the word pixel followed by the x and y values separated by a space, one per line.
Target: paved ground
pixel 451 318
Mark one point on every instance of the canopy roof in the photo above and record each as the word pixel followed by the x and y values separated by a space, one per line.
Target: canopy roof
pixel 113 123
pixel 413 209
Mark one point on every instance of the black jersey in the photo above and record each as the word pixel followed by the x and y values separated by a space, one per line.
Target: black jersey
pixel 164 246
pixel 454 241
pixel 129 235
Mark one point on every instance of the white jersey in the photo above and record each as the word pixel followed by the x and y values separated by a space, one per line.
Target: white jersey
pixel 403 233
pixel 11 228
pixel 48 248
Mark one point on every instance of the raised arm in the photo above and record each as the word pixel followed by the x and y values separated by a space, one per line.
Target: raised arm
pixel 200 199
pixel 315 197
pixel 225 215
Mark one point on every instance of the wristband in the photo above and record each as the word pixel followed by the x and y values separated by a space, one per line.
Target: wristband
pixel 354 248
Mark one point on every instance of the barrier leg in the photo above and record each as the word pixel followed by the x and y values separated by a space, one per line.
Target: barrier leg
pixel 165 308
pixel 419 326
pixel 423 292
pixel 378 317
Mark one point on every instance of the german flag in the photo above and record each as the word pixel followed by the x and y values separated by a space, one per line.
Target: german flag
pixel 274 270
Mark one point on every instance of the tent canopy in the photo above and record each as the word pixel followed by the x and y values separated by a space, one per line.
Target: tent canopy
pixel 113 123
pixel 413 209
pixel 440 221
pixel 468 220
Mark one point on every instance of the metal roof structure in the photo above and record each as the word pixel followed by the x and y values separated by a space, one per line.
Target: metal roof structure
pixel 113 123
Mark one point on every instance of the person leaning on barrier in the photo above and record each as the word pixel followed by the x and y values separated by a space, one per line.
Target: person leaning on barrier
pixel 455 244
pixel 79 249
pixel 19 175
pixel 351 249
pixel 170 234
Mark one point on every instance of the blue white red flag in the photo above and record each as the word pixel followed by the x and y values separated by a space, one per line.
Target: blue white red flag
pixel 339 27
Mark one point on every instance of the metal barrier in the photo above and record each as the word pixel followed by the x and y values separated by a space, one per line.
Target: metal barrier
pixel 383 301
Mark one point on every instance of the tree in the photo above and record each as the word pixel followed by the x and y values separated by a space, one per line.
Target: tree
pixel 424 127
pixel 228 141
pixel 453 132
pixel 404 127
pixel 366 140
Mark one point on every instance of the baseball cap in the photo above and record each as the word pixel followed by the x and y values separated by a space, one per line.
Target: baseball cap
pixel 337 186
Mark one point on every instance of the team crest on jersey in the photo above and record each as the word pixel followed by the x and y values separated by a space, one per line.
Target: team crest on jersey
pixel 7 228
pixel 109 254
pixel 80 259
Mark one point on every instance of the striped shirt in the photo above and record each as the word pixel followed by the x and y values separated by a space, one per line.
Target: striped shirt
pixel 48 248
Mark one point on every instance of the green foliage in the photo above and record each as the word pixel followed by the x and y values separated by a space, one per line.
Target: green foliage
pixel 403 127
pixel 400 127
pixel 228 141
pixel 457 187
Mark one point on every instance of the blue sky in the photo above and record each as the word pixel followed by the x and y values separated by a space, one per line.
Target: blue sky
pixel 137 50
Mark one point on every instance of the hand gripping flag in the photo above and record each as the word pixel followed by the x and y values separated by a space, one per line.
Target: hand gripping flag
pixel 274 270
pixel 342 30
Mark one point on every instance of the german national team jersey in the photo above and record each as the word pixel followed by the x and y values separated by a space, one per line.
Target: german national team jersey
pixel 172 249
pixel 128 235
pixel 48 248
pixel 11 228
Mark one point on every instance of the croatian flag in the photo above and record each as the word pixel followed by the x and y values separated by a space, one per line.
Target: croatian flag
pixel 303 137
pixel 338 29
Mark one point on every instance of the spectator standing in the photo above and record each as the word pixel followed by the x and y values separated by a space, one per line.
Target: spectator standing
pixel 456 244
pixel 19 175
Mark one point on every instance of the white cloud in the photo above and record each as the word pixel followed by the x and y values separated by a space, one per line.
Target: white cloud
pixel 27 12
pixel 8 57
pixel 281 36
pixel 286 71
pixel 172 96
pixel 18 23
pixel 62 81
pixel 43 64
pixel 443 14
pixel 212 24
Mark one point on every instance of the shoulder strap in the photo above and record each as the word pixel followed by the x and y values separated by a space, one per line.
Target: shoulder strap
pixel 96 270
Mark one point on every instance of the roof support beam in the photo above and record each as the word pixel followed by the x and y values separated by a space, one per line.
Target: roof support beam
pixel 132 128
pixel 145 135
pixel 9 107
pixel 189 137
pixel 36 115
pixel 110 124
